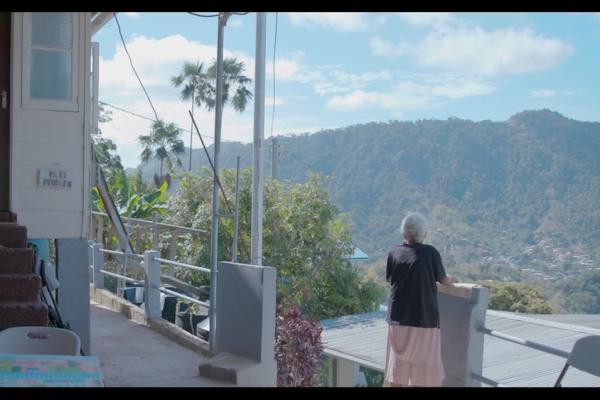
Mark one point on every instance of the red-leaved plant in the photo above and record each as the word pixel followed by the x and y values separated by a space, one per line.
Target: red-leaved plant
pixel 298 348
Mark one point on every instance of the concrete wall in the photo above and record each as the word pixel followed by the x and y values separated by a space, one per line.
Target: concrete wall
pixel 245 319
pixel 462 309
pixel 74 294
pixel 41 138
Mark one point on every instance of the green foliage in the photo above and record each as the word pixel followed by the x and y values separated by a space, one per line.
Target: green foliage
pixel 304 238
pixel 141 205
pixel 516 298
pixel 373 378
pixel 106 152
pixel 582 293
pixel 162 143
pixel 489 189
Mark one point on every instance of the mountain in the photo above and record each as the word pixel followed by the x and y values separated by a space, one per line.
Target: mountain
pixel 521 192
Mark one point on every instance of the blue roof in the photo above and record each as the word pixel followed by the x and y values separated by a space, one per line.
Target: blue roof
pixel 358 254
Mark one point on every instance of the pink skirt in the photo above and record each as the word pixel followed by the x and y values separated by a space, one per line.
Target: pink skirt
pixel 414 356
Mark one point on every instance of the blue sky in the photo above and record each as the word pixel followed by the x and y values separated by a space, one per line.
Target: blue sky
pixel 339 69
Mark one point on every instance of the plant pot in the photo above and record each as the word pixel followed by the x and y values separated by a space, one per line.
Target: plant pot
pixel 187 323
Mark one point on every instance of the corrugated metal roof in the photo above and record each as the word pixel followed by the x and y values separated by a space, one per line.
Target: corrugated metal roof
pixel 362 339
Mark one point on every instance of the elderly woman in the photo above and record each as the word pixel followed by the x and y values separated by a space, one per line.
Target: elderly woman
pixel 414 356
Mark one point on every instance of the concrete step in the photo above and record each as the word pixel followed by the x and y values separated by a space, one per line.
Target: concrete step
pixel 20 287
pixel 230 368
pixel 16 261
pixel 13 235
pixel 23 314
pixel 7 216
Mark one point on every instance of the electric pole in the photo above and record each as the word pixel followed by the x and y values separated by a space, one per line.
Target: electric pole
pixel 259 133
pixel 214 232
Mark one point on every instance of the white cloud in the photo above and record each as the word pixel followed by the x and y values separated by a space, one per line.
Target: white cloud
pixel 278 101
pixel 235 23
pixel 475 51
pixel 386 48
pixel 437 20
pixel 132 14
pixel 415 94
pixel 339 21
pixel 545 93
pixel 156 60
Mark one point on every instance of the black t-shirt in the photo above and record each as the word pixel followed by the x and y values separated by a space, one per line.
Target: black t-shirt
pixel 412 270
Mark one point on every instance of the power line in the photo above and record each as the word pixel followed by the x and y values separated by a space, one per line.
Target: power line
pixel 215 15
pixel 133 67
pixel 205 15
pixel 141 116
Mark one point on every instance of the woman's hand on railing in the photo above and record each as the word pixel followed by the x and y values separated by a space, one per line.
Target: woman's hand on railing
pixel 449 280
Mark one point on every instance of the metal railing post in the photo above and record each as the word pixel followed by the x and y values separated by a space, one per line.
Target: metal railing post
pixel 152 284
pixel 98 262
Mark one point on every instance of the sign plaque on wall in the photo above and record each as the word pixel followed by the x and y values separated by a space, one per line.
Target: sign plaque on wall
pixel 55 177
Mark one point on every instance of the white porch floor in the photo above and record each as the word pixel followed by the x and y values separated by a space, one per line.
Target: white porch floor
pixel 131 354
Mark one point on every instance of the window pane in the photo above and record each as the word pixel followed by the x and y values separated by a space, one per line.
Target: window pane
pixel 51 29
pixel 51 74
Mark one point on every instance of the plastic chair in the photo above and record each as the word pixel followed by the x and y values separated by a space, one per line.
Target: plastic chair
pixel 585 356
pixel 39 340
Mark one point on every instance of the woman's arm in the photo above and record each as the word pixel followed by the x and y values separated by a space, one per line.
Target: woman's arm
pixel 448 280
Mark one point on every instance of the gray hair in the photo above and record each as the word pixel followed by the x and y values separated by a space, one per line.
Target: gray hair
pixel 414 227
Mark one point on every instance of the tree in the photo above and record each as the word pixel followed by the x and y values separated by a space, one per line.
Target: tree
pixel 196 87
pixel 304 238
pixel 106 151
pixel 517 298
pixel 298 348
pixel 200 87
pixel 162 143
pixel 233 81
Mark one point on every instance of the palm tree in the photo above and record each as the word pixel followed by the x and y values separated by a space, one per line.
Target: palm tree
pixel 195 88
pixel 233 81
pixel 199 86
pixel 163 143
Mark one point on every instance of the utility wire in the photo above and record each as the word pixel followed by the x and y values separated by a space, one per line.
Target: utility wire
pixel 243 249
pixel 141 116
pixel 211 164
pixel 133 67
pixel 205 15
pixel 215 15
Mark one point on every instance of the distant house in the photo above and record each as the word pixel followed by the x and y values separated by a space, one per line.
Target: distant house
pixel 357 255
pixel 357 341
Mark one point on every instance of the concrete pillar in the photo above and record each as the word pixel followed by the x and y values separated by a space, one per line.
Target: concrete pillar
pixel 152 284
pixel 344 373
pixel 462 310
pixel 73 295
pixel 246 308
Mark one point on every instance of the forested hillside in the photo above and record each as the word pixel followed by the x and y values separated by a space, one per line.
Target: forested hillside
pixel 521 194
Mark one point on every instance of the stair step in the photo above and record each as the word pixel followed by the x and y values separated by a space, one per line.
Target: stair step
pixel 13 235
pixel 20 287
pixel 16 261
pixel 23 314
pixel 7 216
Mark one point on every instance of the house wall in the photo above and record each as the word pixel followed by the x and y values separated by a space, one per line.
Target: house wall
pixel 42 139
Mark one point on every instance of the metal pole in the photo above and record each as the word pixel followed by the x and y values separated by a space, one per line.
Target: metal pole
pixel 274 159
pixel 191 133
pixel 154 233
pixel 214 232
pixel 236 215
pixel 259 125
